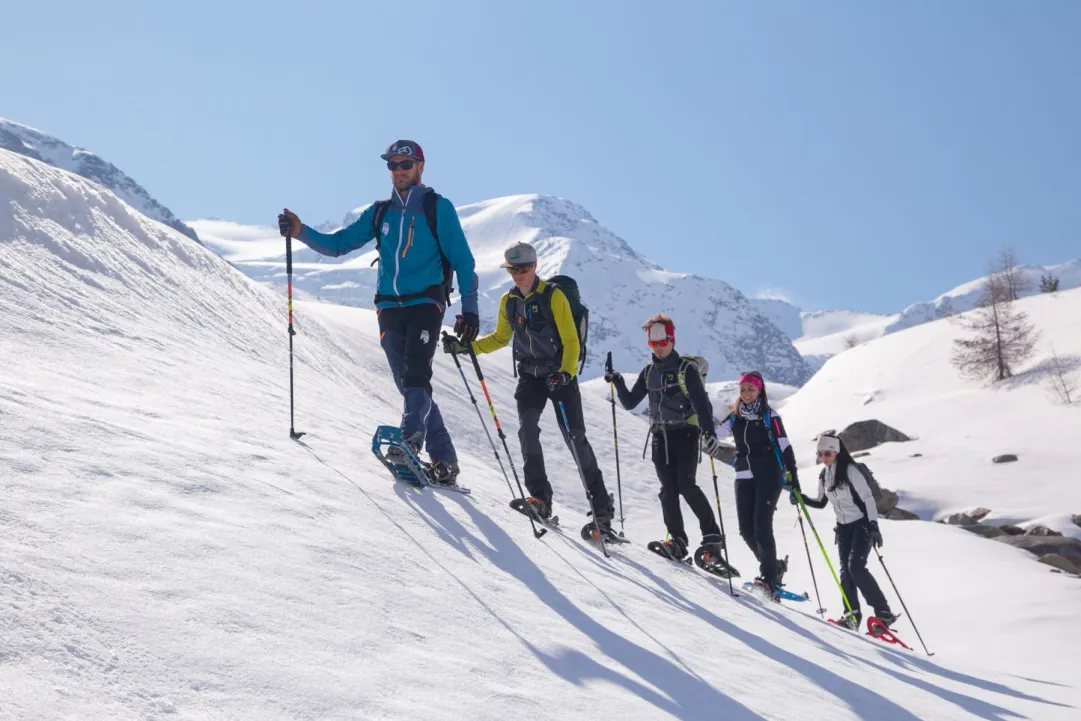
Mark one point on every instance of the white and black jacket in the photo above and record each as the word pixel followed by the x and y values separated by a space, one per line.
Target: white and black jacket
pixel 757 446
pixel 852 499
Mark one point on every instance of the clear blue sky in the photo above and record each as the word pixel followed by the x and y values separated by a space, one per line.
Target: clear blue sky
pixel 852 154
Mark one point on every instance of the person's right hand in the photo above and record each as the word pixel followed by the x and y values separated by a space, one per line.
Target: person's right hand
pixel 288 224
pixel 610 376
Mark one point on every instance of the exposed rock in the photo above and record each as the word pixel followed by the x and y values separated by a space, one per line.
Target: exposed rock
pixel 1065 546
pixel 916 455
pixel 886 502
pixel 1041 531
pixel 867 434
pixel 1011 530
pixel 978 514
pixel 1077 519
pixel 1062 564
pixel 900 514
pixel 861 454
pixel 959 519
pixel 1005 458
pixel 985 531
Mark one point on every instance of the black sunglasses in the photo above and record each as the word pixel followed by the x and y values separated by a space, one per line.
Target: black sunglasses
pixel 403 164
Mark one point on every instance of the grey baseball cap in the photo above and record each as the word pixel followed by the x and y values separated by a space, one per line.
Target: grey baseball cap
pixel 519 254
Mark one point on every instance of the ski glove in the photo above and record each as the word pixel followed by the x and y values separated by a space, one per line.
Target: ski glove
pixel 558 380
pixel 288 224
pixel 610 376
pixel 876 535
pixel 466 327
pixel 709 443
pixel 453 345
pixel 790 481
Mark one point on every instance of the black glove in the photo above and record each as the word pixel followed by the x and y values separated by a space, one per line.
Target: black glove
pixel 792 499
pixel 453 345
pixel 288 224
pixel 876 535
pixel 558 380
pixel 790 482
pixel 466 327
pixel 709 443
pixel 610 376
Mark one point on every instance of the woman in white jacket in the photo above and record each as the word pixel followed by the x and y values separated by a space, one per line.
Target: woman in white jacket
pixel 843 483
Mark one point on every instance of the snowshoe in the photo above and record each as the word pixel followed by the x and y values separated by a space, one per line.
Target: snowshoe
pixel 709 557
pixel 876 628
pixel 763 589
pixel 401 459
pixel 589 532
pixel 850 620
pixel 527 508
pixel 674 549
pixel 445 473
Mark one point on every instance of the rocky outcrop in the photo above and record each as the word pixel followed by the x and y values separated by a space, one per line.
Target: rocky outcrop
pixel 867 434
pixel 959 519
pixel 986 531
pixel 978 514
pixel 1065 546
pixel 1077 520
pixel 900 514
pixel 1063 564
pixel 1041 531
pixel 1004 458
pixel 1011 530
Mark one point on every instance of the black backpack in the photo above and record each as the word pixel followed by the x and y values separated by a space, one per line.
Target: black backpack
pixel 431 201
pixel 569 286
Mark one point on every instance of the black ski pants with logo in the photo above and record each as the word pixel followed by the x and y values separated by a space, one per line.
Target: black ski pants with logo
pixel 532 394
pixel 675 456
pixel 756 501
pixel 854 546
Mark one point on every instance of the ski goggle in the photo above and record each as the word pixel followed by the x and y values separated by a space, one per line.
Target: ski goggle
pixel 403 164
pixel 660 335
pixel 519 269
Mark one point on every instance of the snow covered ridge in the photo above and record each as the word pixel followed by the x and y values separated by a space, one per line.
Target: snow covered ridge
pixel 36 144
pixel 822 334
pixel 620 286
pixel 168 552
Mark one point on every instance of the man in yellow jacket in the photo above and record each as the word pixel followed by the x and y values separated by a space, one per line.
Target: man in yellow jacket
pixel 536 317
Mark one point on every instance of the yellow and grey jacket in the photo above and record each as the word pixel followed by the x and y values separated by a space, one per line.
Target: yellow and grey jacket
pixel 541 326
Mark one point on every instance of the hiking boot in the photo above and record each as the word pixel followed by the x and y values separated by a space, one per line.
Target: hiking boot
pixel 676 548
pixel 539 507
pixel 888 618
pixel 782 569
pixel 768 589
pixel 445 473
pixel 397 454
pixel 852 620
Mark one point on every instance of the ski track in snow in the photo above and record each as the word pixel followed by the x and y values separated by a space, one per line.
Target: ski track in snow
pixel 167 552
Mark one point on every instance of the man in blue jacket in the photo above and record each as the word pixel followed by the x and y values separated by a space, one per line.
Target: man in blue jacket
pixel 420 241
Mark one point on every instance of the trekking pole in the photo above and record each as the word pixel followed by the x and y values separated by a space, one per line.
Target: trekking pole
pixel 289 285
pixel 807 547
pixel 499 432
pixel 615 439
pixel 902 603
pixel 720 517
pixel 799 497
pixel 498 458
pixel 582 475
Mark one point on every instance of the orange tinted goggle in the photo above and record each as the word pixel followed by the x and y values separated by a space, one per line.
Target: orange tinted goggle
pixel 659 343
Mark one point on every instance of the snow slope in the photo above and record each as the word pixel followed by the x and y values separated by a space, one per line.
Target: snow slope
pixel 168 552
pixel 620 287
pixel 905 380
pixel 36 144
pixel 829 332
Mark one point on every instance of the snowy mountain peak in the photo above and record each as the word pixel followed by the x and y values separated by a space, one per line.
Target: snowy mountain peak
pixel 620 286
pixel 35 144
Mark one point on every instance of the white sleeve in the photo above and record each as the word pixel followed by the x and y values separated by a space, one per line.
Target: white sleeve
pixel 863 489
pixel 727 426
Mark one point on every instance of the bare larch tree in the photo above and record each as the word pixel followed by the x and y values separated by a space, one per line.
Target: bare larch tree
pixel 1000 334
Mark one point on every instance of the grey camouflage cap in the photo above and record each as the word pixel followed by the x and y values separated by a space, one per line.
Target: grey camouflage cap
pixel 519 254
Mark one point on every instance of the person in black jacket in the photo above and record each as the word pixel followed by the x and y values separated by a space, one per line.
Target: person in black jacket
pixel 842 482
pixel 680 414
pixel 765 462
